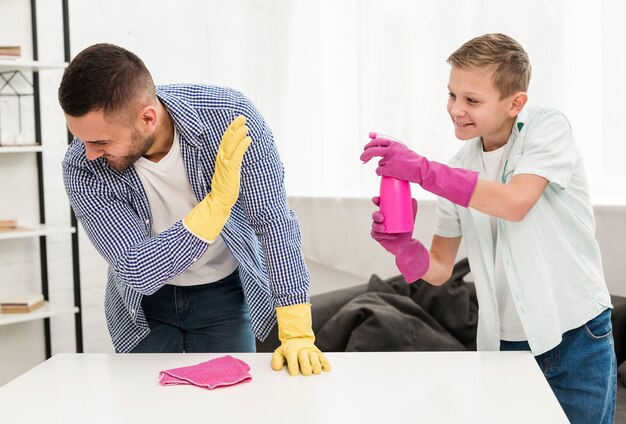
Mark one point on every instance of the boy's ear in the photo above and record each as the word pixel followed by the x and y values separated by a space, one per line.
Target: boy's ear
pixel 517 103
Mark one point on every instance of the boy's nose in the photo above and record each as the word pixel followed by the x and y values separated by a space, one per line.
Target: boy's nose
pixel 456 110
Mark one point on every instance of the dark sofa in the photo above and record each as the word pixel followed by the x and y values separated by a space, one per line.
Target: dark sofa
pixel 391 315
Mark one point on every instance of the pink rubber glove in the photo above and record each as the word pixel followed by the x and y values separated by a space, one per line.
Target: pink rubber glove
pixel 398 161
pixel 412 258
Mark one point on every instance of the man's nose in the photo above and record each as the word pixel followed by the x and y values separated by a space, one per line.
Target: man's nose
pixel 93 152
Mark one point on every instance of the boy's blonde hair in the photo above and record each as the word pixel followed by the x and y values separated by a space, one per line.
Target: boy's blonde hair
pixel 499 52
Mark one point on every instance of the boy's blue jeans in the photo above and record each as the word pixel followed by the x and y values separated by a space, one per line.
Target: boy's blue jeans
pixel 205 318
pixel 582 370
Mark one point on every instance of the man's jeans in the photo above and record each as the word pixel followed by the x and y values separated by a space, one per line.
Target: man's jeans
pixel 205 318
pixel 582 370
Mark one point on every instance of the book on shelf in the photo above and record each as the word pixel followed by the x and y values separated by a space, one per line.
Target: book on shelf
pixel 21 303
pixel 8 224
pixel 10 52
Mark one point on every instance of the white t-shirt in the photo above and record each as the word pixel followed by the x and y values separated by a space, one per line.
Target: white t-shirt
pixel 171 198
pixel 510 325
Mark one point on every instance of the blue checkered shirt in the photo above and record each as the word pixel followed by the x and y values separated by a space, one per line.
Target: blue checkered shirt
pixel 262 232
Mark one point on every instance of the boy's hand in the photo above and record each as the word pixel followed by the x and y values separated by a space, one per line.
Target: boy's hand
pixel 398 161
pixel 412 258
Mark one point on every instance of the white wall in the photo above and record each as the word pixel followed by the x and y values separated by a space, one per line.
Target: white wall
pixel 241 43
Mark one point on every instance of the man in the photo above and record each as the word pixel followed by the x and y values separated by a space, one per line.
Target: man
pixel 201 244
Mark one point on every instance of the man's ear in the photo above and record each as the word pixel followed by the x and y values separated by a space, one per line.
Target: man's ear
pixel 148 117
pixel 517 103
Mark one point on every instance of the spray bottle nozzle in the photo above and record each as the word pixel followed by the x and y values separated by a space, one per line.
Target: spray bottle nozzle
pixel 374 135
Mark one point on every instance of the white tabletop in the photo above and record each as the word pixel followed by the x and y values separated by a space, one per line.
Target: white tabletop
pixel 398 387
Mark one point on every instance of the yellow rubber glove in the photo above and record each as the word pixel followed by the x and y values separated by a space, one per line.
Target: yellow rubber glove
pixel 296 336
pixel 208 217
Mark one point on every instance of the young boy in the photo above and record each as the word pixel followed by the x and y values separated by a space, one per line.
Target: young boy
pixel 517 192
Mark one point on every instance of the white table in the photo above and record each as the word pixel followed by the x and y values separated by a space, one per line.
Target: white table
pixel 398 387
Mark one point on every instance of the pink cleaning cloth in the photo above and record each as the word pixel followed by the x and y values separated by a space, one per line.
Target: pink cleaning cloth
pixel 222 371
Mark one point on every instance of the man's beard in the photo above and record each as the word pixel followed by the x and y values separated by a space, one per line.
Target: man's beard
pixel 139 148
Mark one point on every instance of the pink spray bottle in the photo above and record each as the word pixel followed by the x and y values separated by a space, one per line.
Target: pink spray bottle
pixel 395 201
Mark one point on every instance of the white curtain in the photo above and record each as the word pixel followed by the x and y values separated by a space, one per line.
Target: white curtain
pixel 326 72
pixel 355 66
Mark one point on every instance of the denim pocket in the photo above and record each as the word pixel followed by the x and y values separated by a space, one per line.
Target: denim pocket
pixel 600 327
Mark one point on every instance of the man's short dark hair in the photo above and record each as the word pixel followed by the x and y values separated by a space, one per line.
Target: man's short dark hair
pixel 104 77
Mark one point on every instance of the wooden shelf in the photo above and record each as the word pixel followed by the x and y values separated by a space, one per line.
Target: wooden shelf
pixel 46 311
pixel 39 230
pixel 8 65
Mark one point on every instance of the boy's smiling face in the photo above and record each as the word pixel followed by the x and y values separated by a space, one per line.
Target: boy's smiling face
pixel 476 109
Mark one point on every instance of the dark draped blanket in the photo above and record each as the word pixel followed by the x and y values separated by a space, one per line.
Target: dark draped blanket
pixel 392 315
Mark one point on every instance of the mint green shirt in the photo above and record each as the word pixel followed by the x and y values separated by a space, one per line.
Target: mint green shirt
pixel 551 258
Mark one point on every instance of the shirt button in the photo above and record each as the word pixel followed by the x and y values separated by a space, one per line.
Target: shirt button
pixel 132 312
pixel 147 221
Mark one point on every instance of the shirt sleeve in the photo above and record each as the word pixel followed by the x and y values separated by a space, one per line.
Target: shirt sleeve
pixel 121 232
pixel 447 221
pixel 264 201
pixel 548 149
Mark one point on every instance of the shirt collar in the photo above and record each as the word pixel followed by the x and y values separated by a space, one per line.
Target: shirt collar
pixel 520 121
pixel 184 116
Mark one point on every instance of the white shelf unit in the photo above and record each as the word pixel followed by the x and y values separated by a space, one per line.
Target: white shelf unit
pixel 29 148
pixel 36 231
pixel 46 311
pixel 21 149
pixel 10 68
pixel 9 65
pixel 42 230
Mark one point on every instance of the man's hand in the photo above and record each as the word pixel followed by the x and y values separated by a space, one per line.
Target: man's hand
pixel 208 217
pixel 297 348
